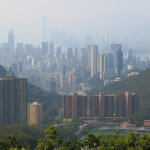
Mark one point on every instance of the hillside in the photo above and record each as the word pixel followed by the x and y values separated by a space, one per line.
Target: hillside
pixel 51 101
pixel 139 84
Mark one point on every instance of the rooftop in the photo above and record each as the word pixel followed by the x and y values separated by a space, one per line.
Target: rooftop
pixel 9 73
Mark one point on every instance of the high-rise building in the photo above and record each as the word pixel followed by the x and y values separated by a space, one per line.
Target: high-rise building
pixel 17 67
pixel 94 106
pixel 44 48
pixel 76 52
pixel 135 103
pixel 20 49
pixel 75 106
pixel 58 52
pixel 69 53
pixel 11 40
pixel 64 70
pixel 114 49
pixel 28 49
pixel 88 53
pixel 102 64
pixel 93 59
pixel 101 105
pixel 13 99
pixel 82 105
pixel 67 105
pixel 119 63
pixel 109 105
pixel 110 60
pixel 35 112
pixel 51 49
pixel 120 106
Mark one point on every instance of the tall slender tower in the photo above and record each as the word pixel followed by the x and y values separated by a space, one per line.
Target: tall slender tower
pixel 11 40
pixel 119 63
pixel 102 64
pixel 128 98
pixel 44 28
pixel 93 59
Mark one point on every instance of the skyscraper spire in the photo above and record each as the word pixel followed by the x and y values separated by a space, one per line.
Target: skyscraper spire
pixel 11 40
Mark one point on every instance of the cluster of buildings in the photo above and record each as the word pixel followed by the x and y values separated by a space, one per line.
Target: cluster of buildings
pixel 109 64
pixel 62 69
pixel 13 102
pixel 100 106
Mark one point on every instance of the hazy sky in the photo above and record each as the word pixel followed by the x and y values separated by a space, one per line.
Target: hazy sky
pixel 25 16
pixel 57 10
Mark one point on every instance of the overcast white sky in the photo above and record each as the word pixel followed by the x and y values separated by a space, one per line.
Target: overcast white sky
pixel 25 16
pixel 66 10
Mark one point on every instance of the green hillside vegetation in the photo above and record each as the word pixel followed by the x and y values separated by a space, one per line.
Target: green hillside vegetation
pixel 51 101
pixel 95 81
pixel 22 135
pixel 51 141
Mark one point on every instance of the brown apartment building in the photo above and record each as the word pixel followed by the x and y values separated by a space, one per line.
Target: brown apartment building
pixel 75 106
pixel 13 99
pixel 100 106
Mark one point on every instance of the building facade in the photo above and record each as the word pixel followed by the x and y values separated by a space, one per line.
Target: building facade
pixel 100 106
pixel 13 100
pixel 93 59
pixel 35 112
pixel 75 106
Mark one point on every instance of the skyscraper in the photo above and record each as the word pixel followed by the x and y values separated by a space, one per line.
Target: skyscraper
pixel 44 48
pixel 110 60
pixel 28 49
pixel 102 64
pixel 93 59
pixel 76 52
pixel 64 70
pixel 69 53
pixel 116 49
pixel 119 63
pixel 58 52
pixel 13 99
pixel 51 49
pixel 11 40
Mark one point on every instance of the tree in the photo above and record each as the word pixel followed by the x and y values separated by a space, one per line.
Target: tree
pixel 48 143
